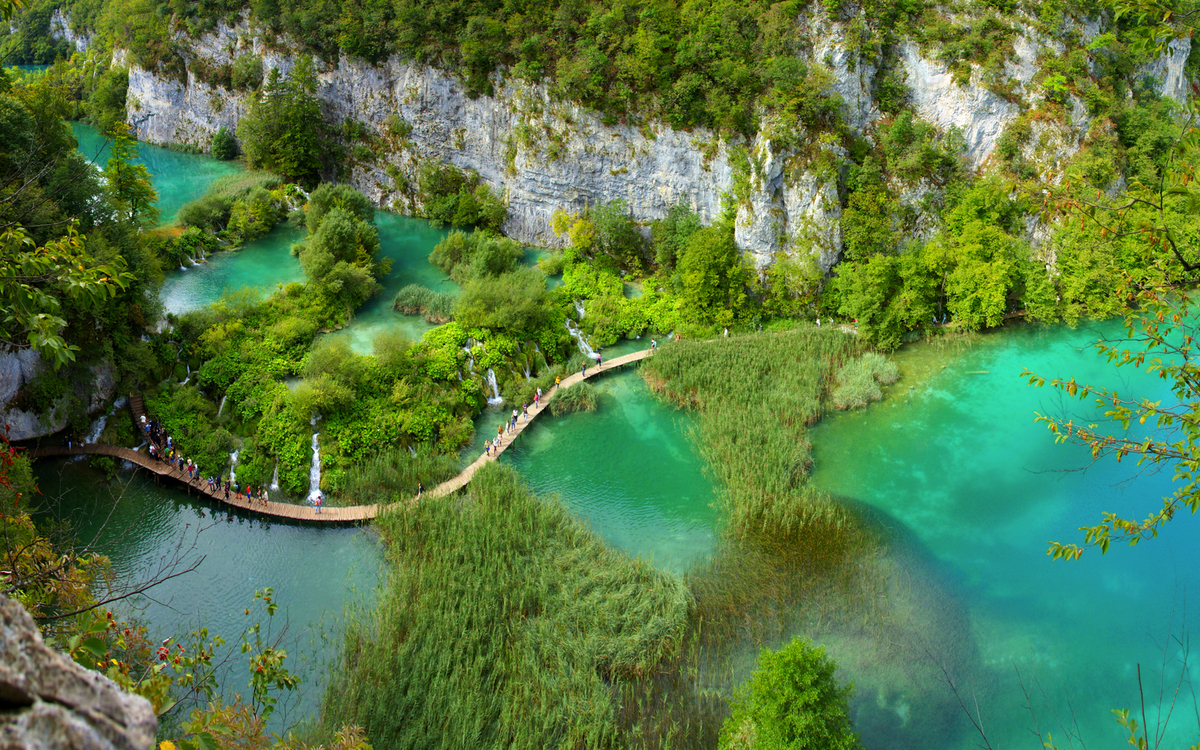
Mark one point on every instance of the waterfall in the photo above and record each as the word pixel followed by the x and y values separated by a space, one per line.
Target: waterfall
pixel 222 406
pixel 579 308
pixel 580 341
pixel 495 399
pixel 181 266
pixel 275 478
pixel 459 373
pixel 314 472
pixel 470 357
pixel 93 433
pixel 189 374
pixel 232 464
pixel 526 365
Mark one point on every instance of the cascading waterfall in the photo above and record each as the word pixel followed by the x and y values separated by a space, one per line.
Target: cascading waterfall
pixel 189 375
pixel 495 399
pixel 470 357
pixel 93 433
pixel 275 477
pixel 314 471
pixel 579 308
pixel 222 406
pixel 576 334
pixel 232 465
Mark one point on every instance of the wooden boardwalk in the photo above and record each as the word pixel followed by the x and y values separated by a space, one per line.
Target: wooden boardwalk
pixel 348 514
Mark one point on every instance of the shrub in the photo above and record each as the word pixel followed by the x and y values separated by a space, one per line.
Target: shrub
pixel 414 299
pixel 224 145
pixel 247 74
pixel 791 702
pixel 552 264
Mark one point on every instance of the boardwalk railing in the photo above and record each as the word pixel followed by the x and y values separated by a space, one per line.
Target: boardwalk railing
pixel 348 514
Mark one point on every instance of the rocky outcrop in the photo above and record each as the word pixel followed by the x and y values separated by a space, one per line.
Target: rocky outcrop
pixel 545 155
pixel 31 420
pixel 50 702
pixel 60 28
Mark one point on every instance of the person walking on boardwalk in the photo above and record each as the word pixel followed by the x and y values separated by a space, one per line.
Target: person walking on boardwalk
pixel 525 412
pixel 226 489
pixel 653 346
pixel 420 489
pixel 557 380
pixel 317 504
pixel 599 361
pixel 583 369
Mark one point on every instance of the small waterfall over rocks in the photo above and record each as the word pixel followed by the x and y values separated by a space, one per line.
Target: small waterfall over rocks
pixel 580 341
pixel 221 408
pixel 314 471
pixel 275 478
pixel 232 465
pixel 495 399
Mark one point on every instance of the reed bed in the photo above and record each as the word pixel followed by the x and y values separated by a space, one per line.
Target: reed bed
pixel 579 397
pixel 415 299
pixel 393 475
pixel 507 623
pixel 504 623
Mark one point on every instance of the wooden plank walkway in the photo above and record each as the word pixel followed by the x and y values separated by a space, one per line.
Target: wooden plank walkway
pixel 348 514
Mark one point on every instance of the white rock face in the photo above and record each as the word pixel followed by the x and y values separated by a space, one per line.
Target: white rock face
pixel 977 112
pixel 60 28
pixel 540 154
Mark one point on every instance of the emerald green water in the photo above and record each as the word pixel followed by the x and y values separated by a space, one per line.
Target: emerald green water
pixel 314 571
pixel 975 489
pixel 628 469
pixel 263 264
pixel 178 177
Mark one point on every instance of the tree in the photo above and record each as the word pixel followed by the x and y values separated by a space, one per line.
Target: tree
pixel 130 189
pixel 283 131
pixel 224 145
pixel 791 702
pixel 714 275
pixel 513 302
pixel 1160 322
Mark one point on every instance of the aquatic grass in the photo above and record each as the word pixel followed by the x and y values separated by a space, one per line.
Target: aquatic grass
pixel 860 379
pixel 415 299
pixel 579 397
pixel 504 623
pixel 392 475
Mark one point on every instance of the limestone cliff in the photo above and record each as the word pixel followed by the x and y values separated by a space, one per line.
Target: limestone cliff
pixel 50 701
pixel 545 155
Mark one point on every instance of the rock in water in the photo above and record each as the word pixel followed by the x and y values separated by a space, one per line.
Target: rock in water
pixel 50 701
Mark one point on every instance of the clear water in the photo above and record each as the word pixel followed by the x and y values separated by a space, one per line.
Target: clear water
pixel 262 264
pixel 315 571
pixel 178 177
pixel 629 469
pixel 954 461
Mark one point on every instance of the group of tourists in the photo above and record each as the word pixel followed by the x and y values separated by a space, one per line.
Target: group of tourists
pixel 163 448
